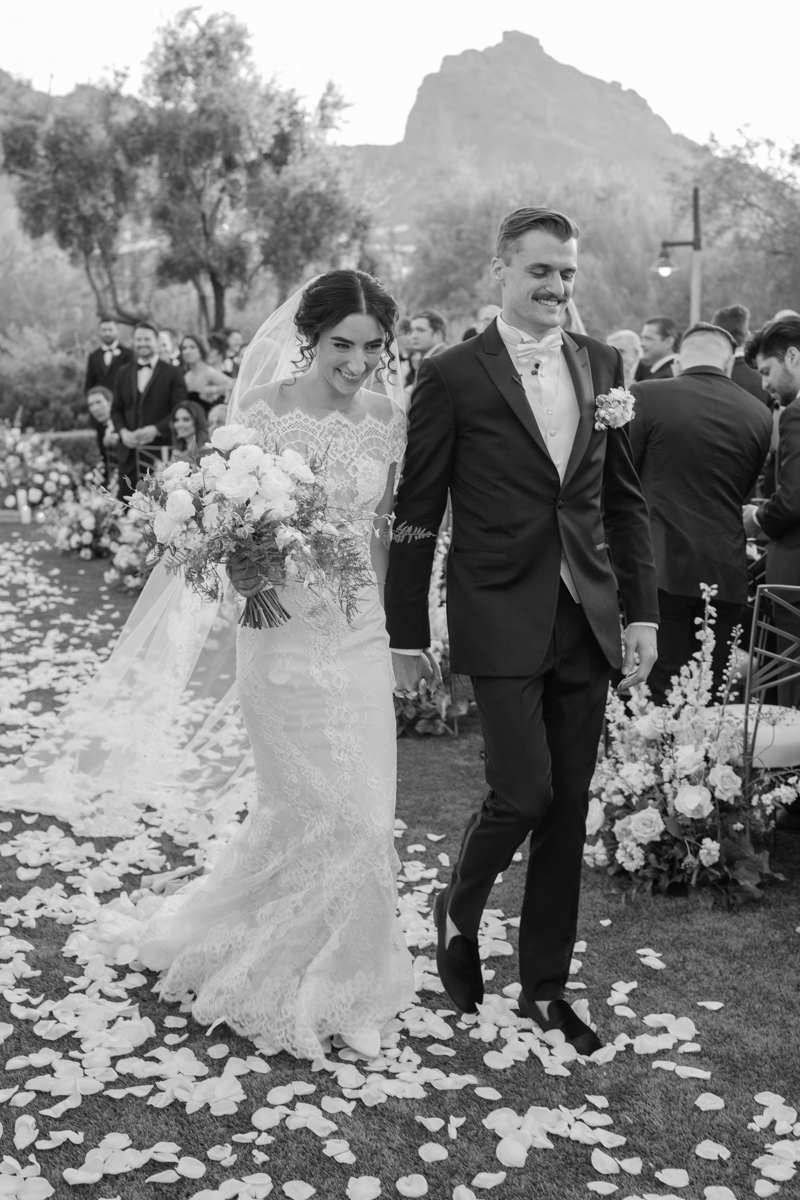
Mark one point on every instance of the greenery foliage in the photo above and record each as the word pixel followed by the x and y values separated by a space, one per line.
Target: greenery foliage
pixel 40 380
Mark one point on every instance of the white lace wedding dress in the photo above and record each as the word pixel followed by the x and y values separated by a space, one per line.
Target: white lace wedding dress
pixel 294 934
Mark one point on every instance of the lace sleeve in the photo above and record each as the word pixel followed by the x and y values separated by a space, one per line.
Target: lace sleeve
pixel 396 439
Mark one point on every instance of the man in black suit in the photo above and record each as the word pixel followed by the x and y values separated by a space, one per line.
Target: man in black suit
pixel 736 319
pixel 549 528
pixel 145 393
pixel 659 336
pixel 699 442
pixel 775 351
pixel 104 362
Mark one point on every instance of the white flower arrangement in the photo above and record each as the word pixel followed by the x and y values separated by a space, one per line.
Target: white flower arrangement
pixel 669 806
pixel 31 471
pixel 614 409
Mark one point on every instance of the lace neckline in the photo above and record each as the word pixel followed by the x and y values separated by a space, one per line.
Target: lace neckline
pixel 300 414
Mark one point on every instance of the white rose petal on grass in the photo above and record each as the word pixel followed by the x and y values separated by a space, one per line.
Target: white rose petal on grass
pixel 711 1005
pixel 462 1192
pixel 432 1152
pixel 280 1095
pixel 159 1177
pixel 412 1185
pixel 363 1187
pixel 708 1102
pixel 632 1166
pixel 36 1188
pixel 673 1177
pixel 298 1189
pixel 218 1051
pixel 487 1179
pixel 497 1061
pixel 711 1150
pixel 604 1163
pixel 487 1093
pixel 718 1192
pixel 511 1153
pixel 603 1187
pixel 190 1168
pixel 761 1187
pixel 769 1098
pixel 432 1124
pixel 25 1132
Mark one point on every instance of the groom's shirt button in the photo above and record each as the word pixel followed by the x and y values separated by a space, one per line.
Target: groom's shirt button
pixel 552 433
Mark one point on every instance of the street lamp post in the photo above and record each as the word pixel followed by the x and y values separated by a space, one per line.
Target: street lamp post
pixel 665 266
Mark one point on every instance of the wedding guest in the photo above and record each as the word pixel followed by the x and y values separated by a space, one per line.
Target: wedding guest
pixel 428 333
pixel 98 402
pixel 217 416
pixel 699 442
pixel 145 393
pixel 775 351
pixel 189 427
pixel 736 319
pixel 659 335
pixel 484 318
pixel 217 349
pixel 104 362
pixel 235 351
pixel 629 345
pixel 168 347
pixel 204 383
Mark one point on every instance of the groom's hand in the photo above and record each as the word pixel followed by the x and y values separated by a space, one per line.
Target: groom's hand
pixel 641 651
pixel 414 672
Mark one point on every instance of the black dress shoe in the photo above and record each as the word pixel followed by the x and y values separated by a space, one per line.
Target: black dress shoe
pixel 561 1015
pixel 459 963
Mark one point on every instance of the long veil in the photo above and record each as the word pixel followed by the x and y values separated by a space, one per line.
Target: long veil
pixel 154 738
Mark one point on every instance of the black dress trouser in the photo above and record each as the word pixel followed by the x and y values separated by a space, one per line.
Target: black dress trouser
pixel 541 734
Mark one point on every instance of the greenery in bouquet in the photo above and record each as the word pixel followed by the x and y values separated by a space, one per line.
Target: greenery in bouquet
pixel 272 510
pixel 434 712
pixel 670 806
pixel 29 464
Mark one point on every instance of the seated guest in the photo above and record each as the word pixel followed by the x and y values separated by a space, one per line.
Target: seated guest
pixel 699 442
pixel 428 333
pixel 775 352
pixel 629 345
pixel 168 347
pixel 204 383
pixel 217 416
pixel 104 362
pixel 98 401
pixel 189 427
pixel 216 352
pixel 145 393
pixel 659 335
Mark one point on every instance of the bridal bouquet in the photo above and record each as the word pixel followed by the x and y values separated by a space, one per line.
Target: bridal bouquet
pixel 272 510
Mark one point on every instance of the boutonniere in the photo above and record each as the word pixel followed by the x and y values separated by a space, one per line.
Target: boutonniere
pixel 614 409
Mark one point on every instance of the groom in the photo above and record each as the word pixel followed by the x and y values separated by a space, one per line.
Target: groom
pixel 550 532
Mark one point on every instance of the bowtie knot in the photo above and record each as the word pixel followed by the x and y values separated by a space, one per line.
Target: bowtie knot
pixel 148 363
pixel 539 352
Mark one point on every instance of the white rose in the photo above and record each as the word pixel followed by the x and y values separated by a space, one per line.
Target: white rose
pixel 50 487
pixel 211 517
pixel 213 466
pixel 650 725
pixel 285 536
pixel 273 482
pixel 281 508
pixel 709 852
pixel 296 466
pixel 87 554
pixel 34 495
pixel 87 538
pixel 725 782
pixel 622 829
pixel 688 759
pixel 246 458
pixel 228 436
pixel 237 486
pixel 694 801
pixel 163 527
pixel 180 505
pixel 646 825
pixel 88 522
pixel 595 817
pixel 176 470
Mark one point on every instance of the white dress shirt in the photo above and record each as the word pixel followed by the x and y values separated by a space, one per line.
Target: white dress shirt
pixel 145 372
pixel 109 352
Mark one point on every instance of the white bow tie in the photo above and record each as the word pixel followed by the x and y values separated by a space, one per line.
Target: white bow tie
pixel 530 351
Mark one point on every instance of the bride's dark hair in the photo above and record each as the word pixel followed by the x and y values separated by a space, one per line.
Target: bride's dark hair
pixel 339 294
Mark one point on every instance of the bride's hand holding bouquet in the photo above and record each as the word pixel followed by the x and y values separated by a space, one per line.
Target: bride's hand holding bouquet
pixel 264 516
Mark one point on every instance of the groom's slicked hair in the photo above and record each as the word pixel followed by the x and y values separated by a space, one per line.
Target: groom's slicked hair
pixel 523 220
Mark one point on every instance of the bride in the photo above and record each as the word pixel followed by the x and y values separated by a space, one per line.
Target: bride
pixel 293 937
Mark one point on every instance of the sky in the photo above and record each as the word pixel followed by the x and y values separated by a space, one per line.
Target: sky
pixel 703 65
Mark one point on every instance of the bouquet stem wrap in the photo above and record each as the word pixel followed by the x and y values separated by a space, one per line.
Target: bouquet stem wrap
pixel 264 610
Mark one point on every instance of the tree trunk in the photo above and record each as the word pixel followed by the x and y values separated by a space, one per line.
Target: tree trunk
pixel 106 296
pixel 219 290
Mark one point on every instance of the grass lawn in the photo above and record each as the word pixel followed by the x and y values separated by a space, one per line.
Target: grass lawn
pixel 745 959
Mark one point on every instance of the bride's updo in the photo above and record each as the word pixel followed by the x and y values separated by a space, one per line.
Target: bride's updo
pixel 339 294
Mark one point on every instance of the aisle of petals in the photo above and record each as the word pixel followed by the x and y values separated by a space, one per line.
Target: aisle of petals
pixel 91 1039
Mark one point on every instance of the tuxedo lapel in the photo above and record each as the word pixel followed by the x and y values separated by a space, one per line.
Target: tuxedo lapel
pixel 577 358
pixel 496 361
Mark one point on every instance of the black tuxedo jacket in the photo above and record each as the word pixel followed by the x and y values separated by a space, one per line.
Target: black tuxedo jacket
pixel 699 443
pixel 472 433
pixel 644 374
pixel 100 375
pixel 751 381
pixel 780 516
pixel 164 392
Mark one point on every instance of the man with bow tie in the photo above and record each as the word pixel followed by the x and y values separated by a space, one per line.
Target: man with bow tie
pixel 145 393
pixel 104 362
pixel 550 539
